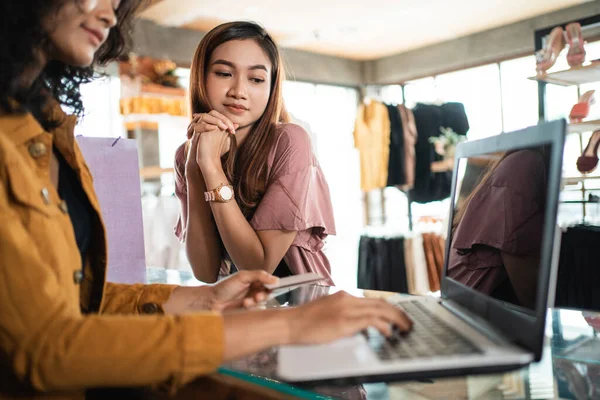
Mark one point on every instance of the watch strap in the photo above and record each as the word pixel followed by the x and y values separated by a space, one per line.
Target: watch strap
pixel 210 195
pixel 213 195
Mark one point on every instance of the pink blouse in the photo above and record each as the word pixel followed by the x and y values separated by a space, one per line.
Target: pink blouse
pixel 296 198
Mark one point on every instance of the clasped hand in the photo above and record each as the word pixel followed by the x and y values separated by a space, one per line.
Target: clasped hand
pixel 210 135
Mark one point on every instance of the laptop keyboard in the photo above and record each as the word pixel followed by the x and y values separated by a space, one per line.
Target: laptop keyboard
pixel 429 337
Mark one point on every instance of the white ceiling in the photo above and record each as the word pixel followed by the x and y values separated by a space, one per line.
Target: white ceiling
pixel 358 30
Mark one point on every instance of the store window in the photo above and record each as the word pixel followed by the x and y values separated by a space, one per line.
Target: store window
pixel 592 53
pixel 420 91
pixel 299 98
pixel 102 117
pixel 391 94
pixel 479 90
pixel 559 101
pixel 519 94
pixel 328 113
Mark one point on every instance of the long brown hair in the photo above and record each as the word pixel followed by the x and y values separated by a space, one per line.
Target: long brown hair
pixel 245 167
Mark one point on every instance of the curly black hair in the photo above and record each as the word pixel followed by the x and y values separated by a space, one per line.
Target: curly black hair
pixel 23 35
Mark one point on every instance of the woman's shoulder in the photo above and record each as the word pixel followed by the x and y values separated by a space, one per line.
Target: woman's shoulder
pixel 292 136
pixel 523 171
pixel 292 149
pixel 180 153
pixel 180 159
pixel 512 167
pixel 181 156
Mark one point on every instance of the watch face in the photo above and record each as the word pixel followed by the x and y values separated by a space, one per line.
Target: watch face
pixel 226 193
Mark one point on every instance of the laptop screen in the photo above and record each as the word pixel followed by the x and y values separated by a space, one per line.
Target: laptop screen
pixel 498 221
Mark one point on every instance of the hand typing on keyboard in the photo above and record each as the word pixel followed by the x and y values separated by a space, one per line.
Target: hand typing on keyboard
pixel 429 337
pixel 342 315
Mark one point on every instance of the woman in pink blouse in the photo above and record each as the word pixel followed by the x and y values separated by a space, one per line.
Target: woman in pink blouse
pixel 252 193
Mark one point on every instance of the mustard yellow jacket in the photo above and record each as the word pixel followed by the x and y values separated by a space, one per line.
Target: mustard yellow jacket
pixel 60 331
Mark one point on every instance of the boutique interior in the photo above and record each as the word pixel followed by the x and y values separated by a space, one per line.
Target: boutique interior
pixel 386 91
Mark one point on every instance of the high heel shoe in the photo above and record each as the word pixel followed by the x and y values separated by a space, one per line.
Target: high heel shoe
pixel 582 108
pixel 588 161
pixel 576 53
pixel 546 57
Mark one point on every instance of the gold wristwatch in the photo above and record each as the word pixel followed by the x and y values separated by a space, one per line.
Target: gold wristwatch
pixel 221 194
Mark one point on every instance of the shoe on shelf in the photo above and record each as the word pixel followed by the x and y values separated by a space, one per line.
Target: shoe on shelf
pixel 546 57
pixel 582 108
pixel 588 161
pixel 573 36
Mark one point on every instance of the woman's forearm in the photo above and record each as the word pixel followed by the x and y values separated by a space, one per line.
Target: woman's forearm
pixel 202 241
pixel 248 332
pixel 241 241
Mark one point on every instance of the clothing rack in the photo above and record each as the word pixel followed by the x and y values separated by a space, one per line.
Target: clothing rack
pixel 408 198
pixel 374 92
pixel 437 166
pixel 540 37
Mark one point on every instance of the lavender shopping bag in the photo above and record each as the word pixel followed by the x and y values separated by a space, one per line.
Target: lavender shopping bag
pixel 115 169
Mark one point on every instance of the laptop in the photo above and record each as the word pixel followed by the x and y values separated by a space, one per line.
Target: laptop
pixel 477 325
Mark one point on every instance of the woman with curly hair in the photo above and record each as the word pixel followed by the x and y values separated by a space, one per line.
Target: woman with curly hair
pixel 63 329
